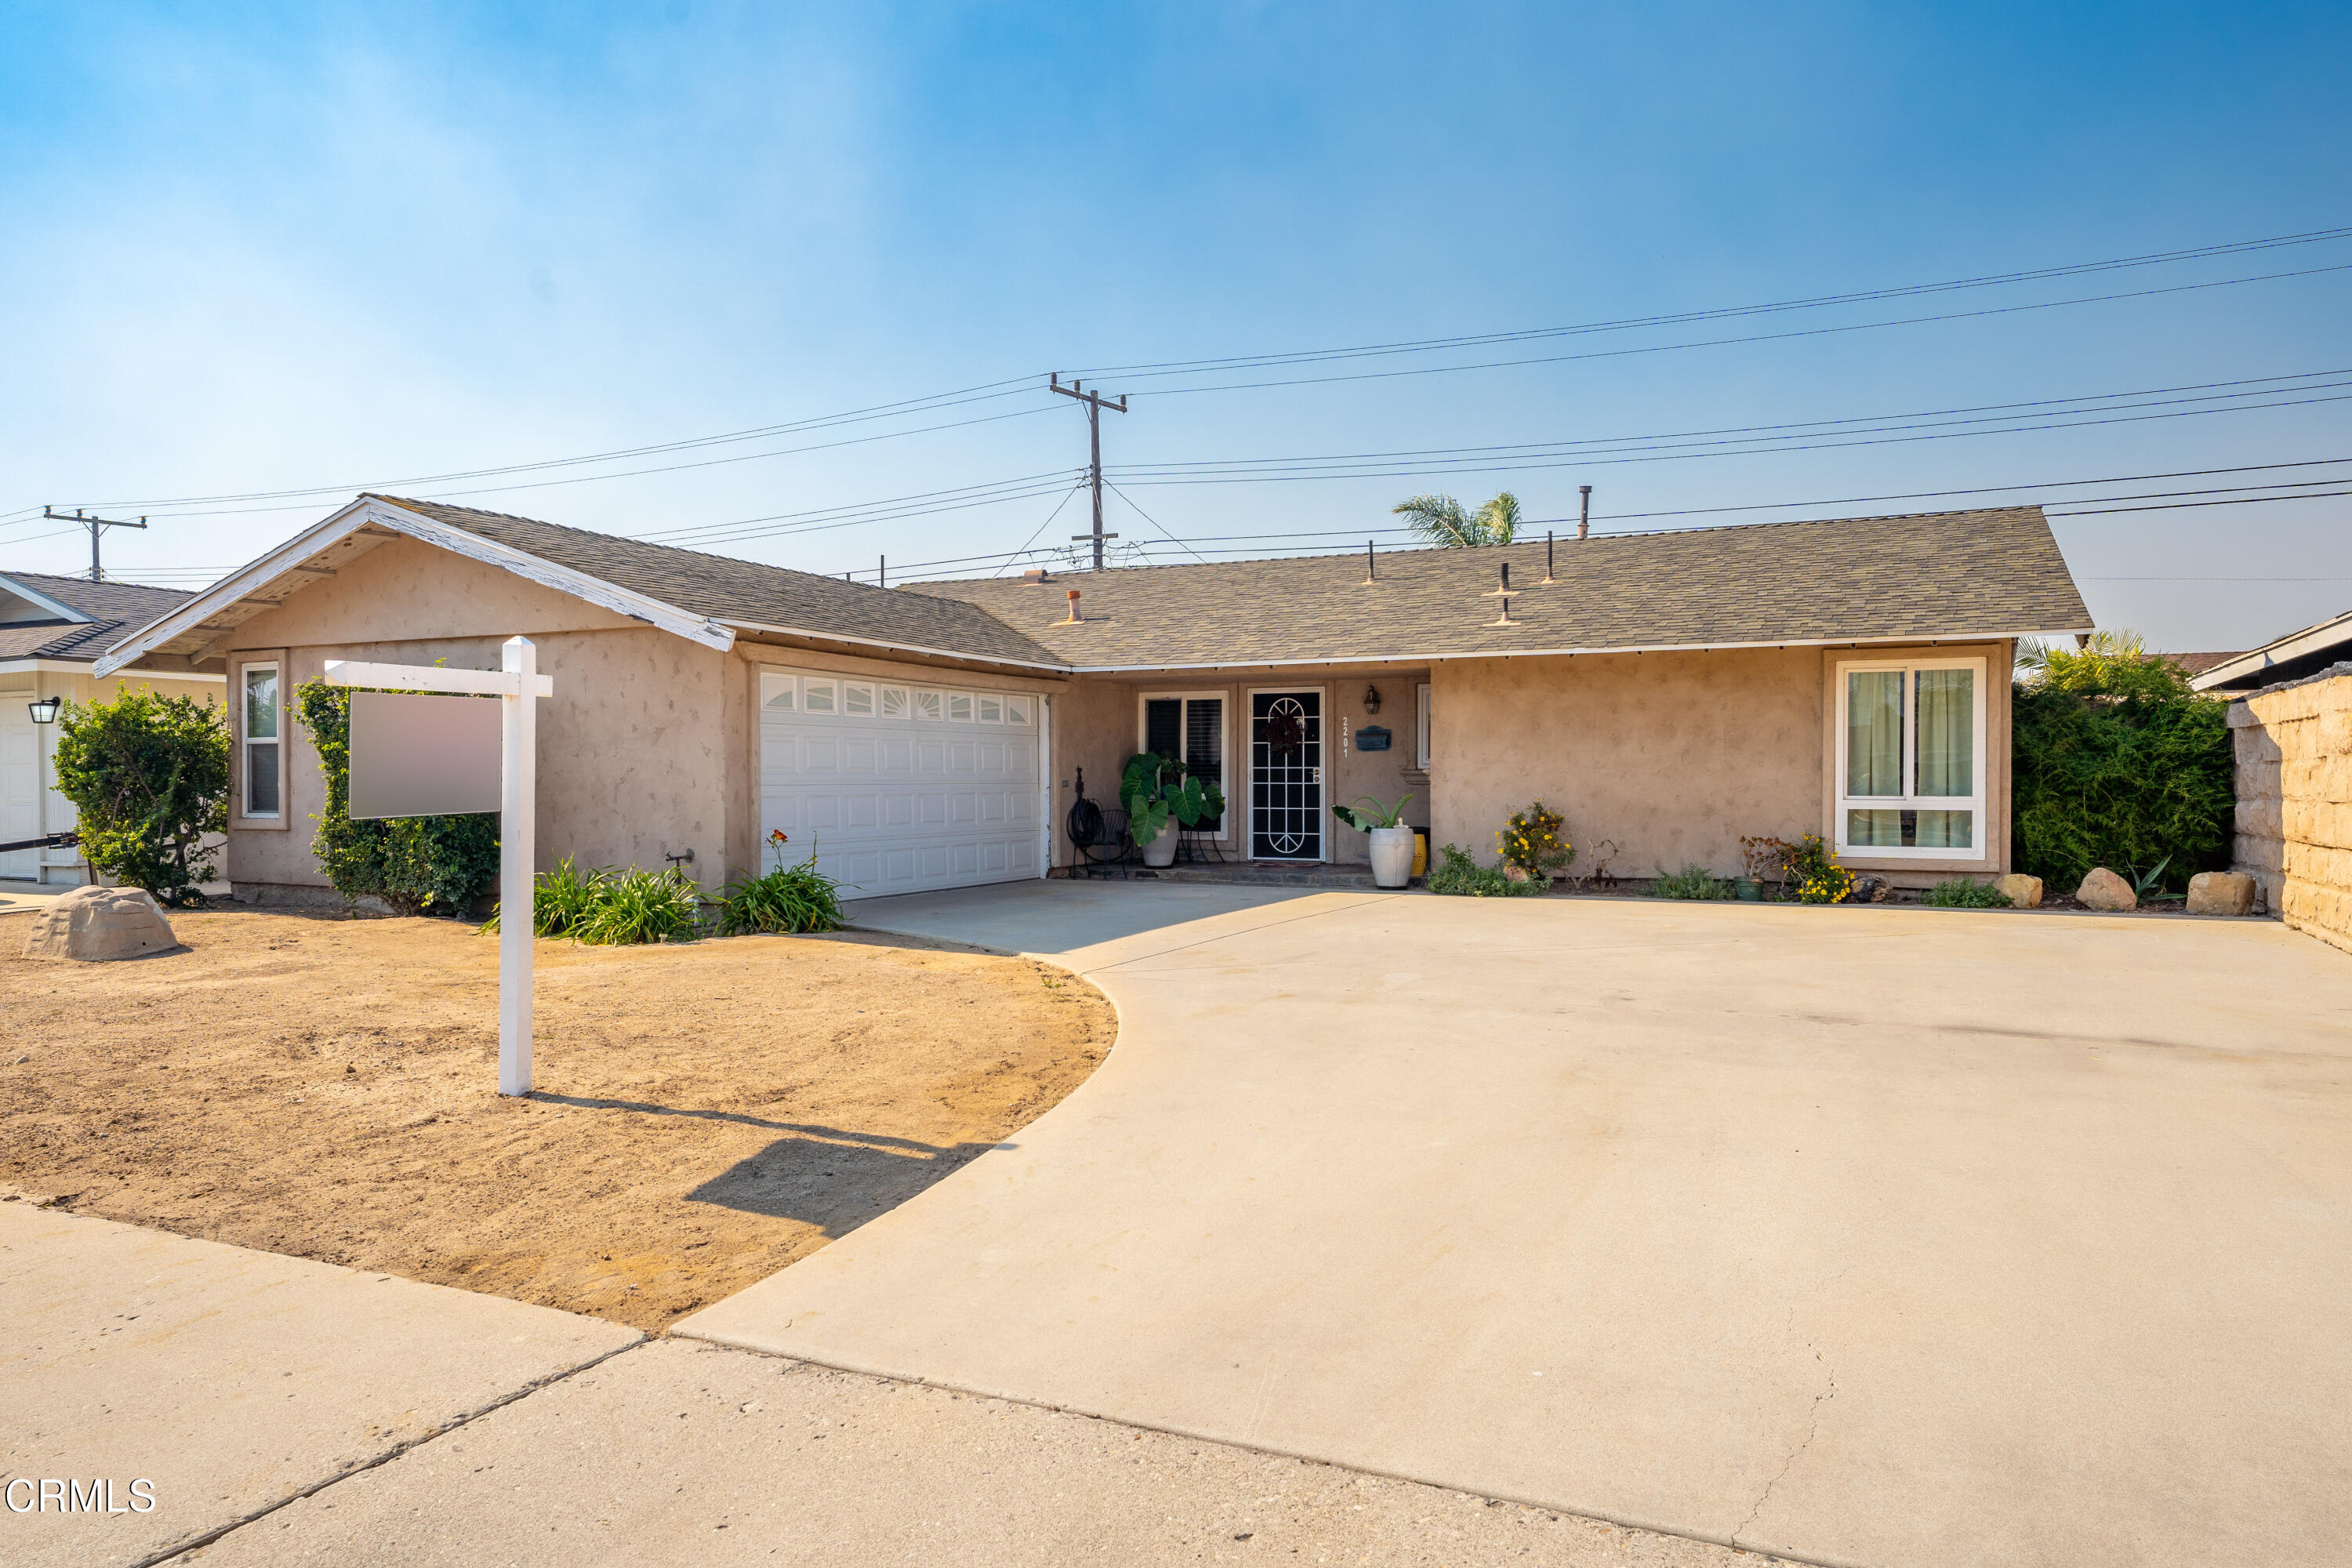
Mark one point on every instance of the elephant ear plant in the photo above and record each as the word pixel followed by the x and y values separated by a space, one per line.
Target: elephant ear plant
pixel 1379 817
pixel 1156 789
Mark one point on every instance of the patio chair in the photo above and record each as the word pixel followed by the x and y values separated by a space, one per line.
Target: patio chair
pixel 1098 838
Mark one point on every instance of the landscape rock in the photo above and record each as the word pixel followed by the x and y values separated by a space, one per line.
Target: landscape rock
pixel 95 925
pixel 2022 891
pixel 2103 889
pixel 2220 893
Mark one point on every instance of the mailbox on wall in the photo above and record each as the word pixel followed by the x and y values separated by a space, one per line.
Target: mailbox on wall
pixel 1372 738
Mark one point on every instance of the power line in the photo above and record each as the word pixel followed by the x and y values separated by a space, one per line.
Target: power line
pixel 1525 447
pixel 1604 458
pixel 1423 346
pixel 1032 538
pixel 1751 337
pixel 980 394
pixel 1153 520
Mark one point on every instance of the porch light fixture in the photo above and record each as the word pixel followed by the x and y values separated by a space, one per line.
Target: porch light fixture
pixel 1371 698
pixel 44 712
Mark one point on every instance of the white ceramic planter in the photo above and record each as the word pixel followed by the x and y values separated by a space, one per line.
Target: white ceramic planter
pixel 1160 853
pixel 1391 856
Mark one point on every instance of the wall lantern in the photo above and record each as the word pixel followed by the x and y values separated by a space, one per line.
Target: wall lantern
pixel 1371 698
pixel 44 712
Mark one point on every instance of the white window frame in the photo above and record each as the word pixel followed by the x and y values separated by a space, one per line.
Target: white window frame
pixel 1421 726
pixel 1225 830
pixel 1911 800
pixel 275 662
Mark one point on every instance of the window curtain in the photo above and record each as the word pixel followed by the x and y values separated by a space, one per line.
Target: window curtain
pixel 1947 732
pixel 1873 732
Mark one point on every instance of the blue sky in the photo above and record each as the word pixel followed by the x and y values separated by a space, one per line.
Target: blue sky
pixel 254 248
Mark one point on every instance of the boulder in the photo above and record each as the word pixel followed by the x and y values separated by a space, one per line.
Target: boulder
pixel 2023 892
pixel 2220 893
pixel 2103 889
pixel 94 925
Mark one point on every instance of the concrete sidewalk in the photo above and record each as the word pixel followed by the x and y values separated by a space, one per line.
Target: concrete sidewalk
pixel 1852 1235
pixel 286 1412
pixel 229 1380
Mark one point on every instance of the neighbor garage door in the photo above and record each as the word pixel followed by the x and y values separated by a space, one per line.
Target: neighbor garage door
pixel 900 788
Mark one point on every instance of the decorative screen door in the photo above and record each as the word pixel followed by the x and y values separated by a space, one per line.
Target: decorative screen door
pixel 1285 775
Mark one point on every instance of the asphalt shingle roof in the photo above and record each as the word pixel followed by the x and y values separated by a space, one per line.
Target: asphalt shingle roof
pixel 1932 574
pixel 114 608
pixel 731 591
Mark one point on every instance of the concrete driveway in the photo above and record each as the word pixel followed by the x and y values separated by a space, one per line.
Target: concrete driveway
pixel 1857 1235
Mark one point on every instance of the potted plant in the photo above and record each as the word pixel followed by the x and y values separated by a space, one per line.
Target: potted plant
pixel 1392 842
pixel 1158 796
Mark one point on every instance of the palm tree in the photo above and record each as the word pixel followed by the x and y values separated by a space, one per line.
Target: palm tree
pixel 1439 520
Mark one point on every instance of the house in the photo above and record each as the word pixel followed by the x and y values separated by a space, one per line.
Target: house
pixel 2290 657
pixel 1670 692
pixel 52 631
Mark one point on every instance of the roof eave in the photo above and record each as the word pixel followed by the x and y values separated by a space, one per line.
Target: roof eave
pixel 1908 639
pixel 65 613
pixel 2251 665
pixel 369 509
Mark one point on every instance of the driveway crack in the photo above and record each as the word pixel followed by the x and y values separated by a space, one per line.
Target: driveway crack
pixel 1813 1426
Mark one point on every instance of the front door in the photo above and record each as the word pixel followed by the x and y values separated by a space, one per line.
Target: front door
pixel 1286 775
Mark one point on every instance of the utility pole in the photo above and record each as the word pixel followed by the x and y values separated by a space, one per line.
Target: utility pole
pixel 1094 405
pixel 96 574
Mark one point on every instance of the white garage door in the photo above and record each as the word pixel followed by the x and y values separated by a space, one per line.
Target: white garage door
pixel 900 788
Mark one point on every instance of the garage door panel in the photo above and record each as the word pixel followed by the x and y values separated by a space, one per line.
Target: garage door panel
pixel 829 760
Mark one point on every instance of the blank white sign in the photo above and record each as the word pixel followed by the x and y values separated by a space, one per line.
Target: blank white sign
pixel 414 755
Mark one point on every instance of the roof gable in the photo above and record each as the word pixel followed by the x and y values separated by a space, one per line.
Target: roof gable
pixel 42 617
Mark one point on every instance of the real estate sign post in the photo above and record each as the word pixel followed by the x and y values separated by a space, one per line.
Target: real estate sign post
pixel 428 785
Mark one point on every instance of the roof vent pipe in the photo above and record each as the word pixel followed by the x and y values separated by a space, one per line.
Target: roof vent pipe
pixel 1371 572
pixel 1548 559
pixel 1075 617
pixel 1584 514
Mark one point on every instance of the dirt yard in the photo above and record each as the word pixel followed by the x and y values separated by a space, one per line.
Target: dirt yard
pixel 705 1114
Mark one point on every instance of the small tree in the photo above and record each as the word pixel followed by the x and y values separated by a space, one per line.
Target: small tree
pixel 149 776
pixel 1440 520
pixel 418 865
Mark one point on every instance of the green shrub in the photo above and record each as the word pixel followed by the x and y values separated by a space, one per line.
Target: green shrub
pixel 562 900
pixel 1462 877
pixel 2119 765
pixel 790 899
pixel 1692 882
pixel 148 776
pixel 418 865
pixel 635 906
pixel 1960 893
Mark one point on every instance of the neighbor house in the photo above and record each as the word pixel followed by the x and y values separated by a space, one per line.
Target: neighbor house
pixel 1669 692
pixel 52 631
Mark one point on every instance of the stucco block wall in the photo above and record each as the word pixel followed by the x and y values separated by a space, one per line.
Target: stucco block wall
pixel 2294 745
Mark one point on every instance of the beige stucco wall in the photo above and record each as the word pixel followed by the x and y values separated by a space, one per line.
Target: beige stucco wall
pixel 30 681
pixel 1661 760
pixel 2293 746
pixel 635 754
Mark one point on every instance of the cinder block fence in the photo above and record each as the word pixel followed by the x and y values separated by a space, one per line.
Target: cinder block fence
pixel 2295 800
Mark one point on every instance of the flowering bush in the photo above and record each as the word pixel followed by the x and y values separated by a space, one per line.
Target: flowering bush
pixel 1814 877
pixel 1533 841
